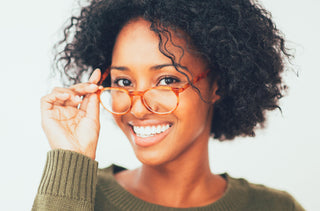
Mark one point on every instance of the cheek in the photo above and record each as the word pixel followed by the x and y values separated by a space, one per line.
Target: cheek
pixel 119 122
pixel 192 105
pixel 193 115
pixel 117 119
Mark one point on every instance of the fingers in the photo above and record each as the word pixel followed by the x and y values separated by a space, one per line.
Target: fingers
pixel 59 99
pixel 95 76
pixel 90 102
pixel 89 87
pixel 84 88
pixel 75 92
pixel 48 101
pixel 72 96
pixel 91 105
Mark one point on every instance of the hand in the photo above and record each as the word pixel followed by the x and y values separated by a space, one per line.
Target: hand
pixel 70 122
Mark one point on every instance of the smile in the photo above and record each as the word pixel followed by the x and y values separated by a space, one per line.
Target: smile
pixel 146 134
pixel 149 131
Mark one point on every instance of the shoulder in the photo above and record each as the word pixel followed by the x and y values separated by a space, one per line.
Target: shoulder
pixel 261 197
pixel 108 190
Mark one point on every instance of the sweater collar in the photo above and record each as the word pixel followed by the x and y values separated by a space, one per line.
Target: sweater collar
pixel 234 198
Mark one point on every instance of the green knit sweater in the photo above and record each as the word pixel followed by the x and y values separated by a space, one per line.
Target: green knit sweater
pixel 72 181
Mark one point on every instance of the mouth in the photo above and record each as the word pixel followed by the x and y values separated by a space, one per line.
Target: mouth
pixel 149 131
pixel 148 135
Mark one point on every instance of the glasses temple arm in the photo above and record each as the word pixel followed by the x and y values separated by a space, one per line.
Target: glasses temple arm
pixel 198 78
pixel 104 76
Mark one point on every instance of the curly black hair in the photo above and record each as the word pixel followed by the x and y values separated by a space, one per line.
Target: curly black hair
pixel 237 38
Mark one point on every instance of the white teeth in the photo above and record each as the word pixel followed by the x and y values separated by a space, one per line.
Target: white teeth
pixel 150 130
pixel 159 129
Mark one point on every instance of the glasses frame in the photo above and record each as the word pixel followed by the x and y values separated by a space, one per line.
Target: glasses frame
pixel 132 94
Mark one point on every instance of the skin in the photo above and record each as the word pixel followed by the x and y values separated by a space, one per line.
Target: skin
pixel 177 167
pixel 175 171
pixel 67 126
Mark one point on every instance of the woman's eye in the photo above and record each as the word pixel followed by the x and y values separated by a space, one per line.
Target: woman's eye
pixel 168 81
pixel 122 82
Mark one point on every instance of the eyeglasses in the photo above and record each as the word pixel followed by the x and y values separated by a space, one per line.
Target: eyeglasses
pixel 159 100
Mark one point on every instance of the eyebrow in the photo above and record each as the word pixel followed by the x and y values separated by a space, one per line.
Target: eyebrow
pixel 122 68
pixel 155 67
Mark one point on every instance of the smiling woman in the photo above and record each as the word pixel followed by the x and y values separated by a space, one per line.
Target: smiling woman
pixel 173 74
pixel 185 123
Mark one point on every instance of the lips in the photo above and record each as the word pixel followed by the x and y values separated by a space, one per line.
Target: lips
pixel 145 134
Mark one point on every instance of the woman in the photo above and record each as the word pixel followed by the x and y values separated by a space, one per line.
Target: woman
pixel 172 73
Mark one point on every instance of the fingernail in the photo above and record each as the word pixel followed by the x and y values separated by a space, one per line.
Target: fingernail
pixel 91 75
pixel 94 72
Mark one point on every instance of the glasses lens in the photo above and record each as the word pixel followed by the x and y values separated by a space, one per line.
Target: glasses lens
pixel 161 100
pixel 115 100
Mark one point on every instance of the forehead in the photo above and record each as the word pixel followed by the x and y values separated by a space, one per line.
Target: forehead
pixel 136 45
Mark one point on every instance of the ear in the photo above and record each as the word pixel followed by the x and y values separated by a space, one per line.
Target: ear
pixel 214 96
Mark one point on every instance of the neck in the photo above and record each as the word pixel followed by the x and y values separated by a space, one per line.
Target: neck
pixel 180 182
pixel 186 181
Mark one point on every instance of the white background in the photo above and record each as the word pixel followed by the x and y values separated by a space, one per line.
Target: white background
pixel 285 155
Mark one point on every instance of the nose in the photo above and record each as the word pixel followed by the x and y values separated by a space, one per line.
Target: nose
pixel 138 109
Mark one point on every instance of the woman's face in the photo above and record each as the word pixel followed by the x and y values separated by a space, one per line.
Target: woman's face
pixel 137 64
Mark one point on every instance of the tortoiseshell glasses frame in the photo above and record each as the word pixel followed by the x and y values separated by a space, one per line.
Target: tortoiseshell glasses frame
pixel 132 94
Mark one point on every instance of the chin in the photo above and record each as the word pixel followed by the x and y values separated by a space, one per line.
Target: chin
pixel 152 156
pixel 149 157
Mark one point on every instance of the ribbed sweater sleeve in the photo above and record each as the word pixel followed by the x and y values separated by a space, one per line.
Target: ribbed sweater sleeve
pixel 68 182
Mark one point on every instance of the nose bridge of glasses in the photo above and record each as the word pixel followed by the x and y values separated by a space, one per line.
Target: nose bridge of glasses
pixel 136 96
pixel 136 93
pixel 138 106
